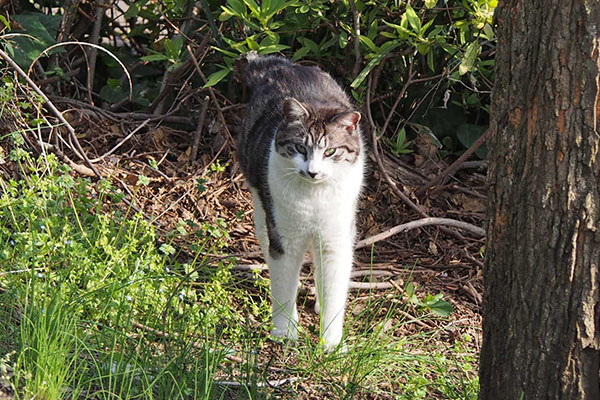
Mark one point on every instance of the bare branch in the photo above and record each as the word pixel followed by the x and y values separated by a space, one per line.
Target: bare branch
pixel 456 164
pixel 420 223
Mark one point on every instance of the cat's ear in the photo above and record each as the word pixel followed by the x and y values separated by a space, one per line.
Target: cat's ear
pixel 293 110
pixel 347 121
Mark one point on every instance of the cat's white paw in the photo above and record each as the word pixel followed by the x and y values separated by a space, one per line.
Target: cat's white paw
pixel 337 347
pixel 279 333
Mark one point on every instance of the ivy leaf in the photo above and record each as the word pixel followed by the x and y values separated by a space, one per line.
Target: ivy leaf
pixel 430 3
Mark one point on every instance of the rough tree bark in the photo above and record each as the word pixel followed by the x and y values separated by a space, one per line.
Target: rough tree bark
pixel 541 325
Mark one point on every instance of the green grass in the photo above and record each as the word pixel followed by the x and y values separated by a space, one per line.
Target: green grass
pixel 96 305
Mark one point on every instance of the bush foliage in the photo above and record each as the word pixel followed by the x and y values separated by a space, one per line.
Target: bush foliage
pixel 440 50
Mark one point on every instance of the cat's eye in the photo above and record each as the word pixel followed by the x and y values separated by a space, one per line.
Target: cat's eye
pixel 300 149
pixel 329 152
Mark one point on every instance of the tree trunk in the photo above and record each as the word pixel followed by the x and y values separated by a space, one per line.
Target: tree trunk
pixel 541 325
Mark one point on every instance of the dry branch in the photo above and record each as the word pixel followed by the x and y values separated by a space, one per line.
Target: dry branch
pixel 419 223
pixel 456 164
pixel 133 132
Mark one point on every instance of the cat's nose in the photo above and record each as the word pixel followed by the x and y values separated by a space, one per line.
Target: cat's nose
pixel 311 173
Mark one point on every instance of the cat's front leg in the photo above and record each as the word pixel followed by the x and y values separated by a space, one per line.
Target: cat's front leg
pixel 333 261
pixel 284 272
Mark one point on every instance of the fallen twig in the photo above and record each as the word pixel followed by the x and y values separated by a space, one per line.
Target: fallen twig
pixel 126 138
pixel 370 273
pixel 470 290
pixel 419 223
pixel 414 319
pixel 370 285
pixel 82 169
pixel 272 383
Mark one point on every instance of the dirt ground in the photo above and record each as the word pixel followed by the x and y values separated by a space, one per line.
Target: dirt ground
pixel 439 259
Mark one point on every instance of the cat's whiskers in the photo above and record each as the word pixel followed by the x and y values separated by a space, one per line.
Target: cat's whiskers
pixel 286 175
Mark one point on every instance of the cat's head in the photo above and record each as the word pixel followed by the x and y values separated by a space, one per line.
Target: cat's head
pixel 318 142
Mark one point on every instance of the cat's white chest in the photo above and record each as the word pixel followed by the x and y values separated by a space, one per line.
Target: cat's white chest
pixel 307 208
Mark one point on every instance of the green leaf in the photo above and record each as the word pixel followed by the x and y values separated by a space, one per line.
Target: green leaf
pixel 254 7
pixel 9 49
pixel 167 249
pixel 154 57
pixel 401 29
pixel 369 43
pixel 468 134
pixel 413 19
pixel 237 7
pixel 343 40
pixel 226 52
pixel 303 9
pixel 441 308
pixel 410 291
pixel 488 31
pixel 430 3
pixel 132 11
pixel 469 59
pixel 311 44
pixel 275 7
pixel 373 29
pixel 301 52
pixel 111 93
pixel 43 28
pixel 225 15
pixel 423 48
pixel 4 21
pixel 425 27
pixel 384 50
pixel 274 48
pixel 173 47
pixel 430 61
pixel 216 77
pixel 252 44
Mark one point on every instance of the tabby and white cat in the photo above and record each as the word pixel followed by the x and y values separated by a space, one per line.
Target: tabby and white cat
pixel 302 155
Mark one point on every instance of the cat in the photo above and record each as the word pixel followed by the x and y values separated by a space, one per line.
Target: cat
pixel 302 155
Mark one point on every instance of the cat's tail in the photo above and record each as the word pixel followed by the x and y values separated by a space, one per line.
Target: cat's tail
pixel 250 68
